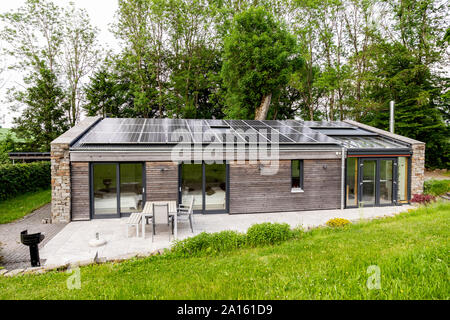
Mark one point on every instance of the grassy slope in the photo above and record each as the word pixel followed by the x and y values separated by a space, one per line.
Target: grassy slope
pixel 411 251
pixel 18 207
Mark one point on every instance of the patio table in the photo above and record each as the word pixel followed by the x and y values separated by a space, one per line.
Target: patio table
pixel 148 212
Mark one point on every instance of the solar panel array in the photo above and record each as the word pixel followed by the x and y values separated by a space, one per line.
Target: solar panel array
pixel 173 131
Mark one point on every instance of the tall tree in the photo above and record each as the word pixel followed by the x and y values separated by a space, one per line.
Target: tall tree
pixel 259 57
pixel 43 118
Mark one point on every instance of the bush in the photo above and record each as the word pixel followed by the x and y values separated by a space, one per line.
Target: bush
pixel 436 187
pixel 337 222
pixel 24 177
pixel 209 243
pixel 268 233
pixel 423 199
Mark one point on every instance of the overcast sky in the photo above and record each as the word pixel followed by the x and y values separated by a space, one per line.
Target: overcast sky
pixel 101 13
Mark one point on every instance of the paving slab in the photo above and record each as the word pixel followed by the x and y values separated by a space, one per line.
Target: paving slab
pixel 71 244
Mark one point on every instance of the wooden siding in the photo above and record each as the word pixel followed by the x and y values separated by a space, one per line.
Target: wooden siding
pixel 162 181
pixel 80 191
pixel 251 192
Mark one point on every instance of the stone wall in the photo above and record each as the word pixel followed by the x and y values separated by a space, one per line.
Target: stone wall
pixel 417 168
pixel 60 170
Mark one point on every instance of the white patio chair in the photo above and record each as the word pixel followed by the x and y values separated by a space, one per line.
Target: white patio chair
pixel 161 215
pixel 134 220
pixel 186 212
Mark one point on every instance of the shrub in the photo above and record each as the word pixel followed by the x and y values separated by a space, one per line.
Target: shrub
pixel 423 199
pixel 436 187
pixel 24 177
pixel 209 243
pixel 337 222
pixel 268 233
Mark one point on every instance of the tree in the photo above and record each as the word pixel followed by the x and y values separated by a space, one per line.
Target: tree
pixel 417 114
pixel 259 57
pixel 61 38
pixel 43 118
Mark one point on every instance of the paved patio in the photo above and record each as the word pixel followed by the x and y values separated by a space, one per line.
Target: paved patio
pixel 71 245
pixel 14 254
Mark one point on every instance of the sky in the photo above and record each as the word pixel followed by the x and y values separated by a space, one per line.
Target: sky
pixel 101 13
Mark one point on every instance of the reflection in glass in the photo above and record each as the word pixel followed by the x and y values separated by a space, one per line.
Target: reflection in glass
pixel 386 182
pixel 215 188
pixel 352 181
pixel 105 189
pixel 369 186
pixel 191 185
pixel 131 187
pixel 403 179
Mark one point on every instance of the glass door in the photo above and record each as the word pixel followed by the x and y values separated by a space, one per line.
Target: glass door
pixel 207 183
pixel 386 181
pixel 377 182
pixel 117 189
pixel 105 187
pixel 368 187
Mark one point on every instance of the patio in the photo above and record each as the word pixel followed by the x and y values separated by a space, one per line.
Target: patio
pixel 71 245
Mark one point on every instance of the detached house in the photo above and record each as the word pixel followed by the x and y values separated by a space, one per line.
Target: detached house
pixel 108 168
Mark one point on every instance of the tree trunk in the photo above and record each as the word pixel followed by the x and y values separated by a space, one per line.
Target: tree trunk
pixel 263 109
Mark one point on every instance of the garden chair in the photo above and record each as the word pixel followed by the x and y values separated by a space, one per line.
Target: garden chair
pixel 161 215
pixel 186 212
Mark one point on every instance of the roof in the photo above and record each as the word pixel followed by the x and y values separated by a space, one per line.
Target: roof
pixel 139 133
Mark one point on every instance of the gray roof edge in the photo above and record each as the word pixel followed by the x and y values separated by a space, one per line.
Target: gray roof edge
pixel 71 135
pixel 384 132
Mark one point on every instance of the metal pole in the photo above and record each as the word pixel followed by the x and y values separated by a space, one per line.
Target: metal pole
pixel 342 178
pixel 391 118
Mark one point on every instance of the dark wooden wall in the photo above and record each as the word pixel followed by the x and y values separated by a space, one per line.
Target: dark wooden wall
pixel 251 192
pixel 162 181
pixel 80 190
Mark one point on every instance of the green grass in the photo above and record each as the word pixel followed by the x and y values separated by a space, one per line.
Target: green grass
pixel 411 250
pixel 18 207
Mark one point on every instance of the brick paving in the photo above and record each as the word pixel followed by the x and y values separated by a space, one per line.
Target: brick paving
pixel 12 252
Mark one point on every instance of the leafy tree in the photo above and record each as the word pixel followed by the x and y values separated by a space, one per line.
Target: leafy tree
pixel 259 58
pixel 43 118
pixel 417 114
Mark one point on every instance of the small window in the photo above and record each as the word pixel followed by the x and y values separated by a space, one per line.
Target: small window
pixel 297 175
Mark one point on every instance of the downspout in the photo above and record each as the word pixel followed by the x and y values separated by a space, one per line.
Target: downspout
pixel 343 179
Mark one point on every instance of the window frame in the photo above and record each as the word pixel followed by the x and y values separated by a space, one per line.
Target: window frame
pixel 300 169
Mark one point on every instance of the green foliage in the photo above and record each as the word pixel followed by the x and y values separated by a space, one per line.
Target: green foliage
pixel 16 179
pixel 209 243
pixel 411 250
pixel 258 61
pixel 418 106
pixel 436 187
pixel 44 117
pixel 268 234
pixel 23 204
pixel 337 222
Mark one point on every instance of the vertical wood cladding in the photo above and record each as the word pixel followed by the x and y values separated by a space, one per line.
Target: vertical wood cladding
pixel 80 190
pixel 162 181
pixel 252 192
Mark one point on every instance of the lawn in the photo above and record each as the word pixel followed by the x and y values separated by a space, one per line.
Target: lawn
pixel 18 207
pixel 410 250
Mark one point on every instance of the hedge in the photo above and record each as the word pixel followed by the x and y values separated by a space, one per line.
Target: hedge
pixel 20 178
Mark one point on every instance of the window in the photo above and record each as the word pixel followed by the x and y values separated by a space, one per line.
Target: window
pixel 297 175
pixel 402 179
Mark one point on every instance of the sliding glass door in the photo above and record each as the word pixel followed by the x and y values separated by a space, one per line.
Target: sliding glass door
pixel 207 183
pixel 117 189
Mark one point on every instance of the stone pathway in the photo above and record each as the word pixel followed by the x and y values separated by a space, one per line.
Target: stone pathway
pixel 14 254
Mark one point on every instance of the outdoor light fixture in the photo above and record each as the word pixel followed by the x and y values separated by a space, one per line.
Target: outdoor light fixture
pixel 324 167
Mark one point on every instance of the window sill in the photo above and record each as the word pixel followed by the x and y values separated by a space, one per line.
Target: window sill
pixel 297 190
